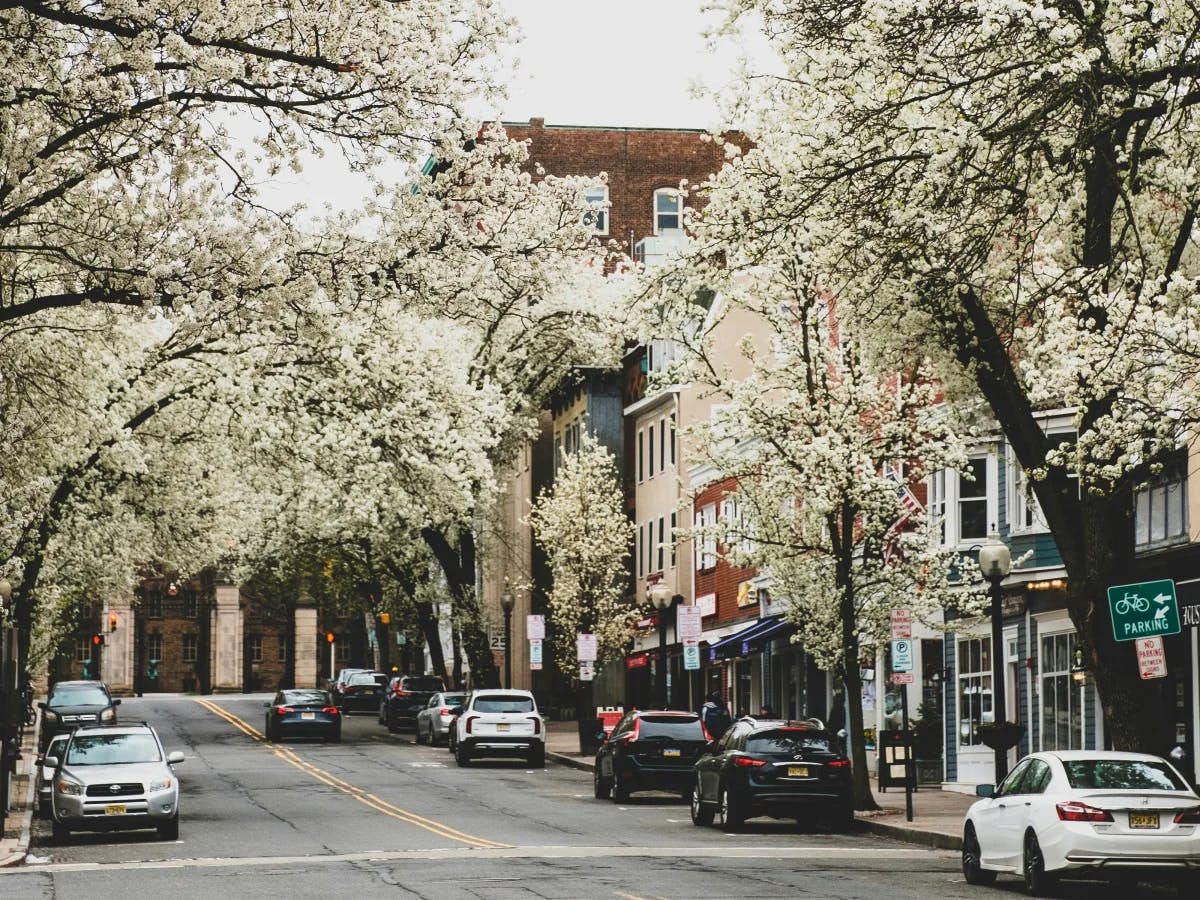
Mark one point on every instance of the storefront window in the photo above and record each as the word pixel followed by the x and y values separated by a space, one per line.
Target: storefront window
pixel 1062 719
pixel 974 688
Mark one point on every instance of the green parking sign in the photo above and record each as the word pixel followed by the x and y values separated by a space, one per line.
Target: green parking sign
pixel 1147 609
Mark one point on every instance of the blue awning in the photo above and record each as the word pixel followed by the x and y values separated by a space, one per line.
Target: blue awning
pixel 755 642
pixel 736 644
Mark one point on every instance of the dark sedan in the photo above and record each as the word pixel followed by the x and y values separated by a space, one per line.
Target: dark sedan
pixel 362 692
pixel 406 696
pixel 649 750
pixel 74 703
pixel 303 713
pixel 793 770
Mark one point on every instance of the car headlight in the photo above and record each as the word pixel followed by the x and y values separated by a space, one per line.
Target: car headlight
pixel 72 788
pixel 108 715
pixel 51 715
pixel 159 784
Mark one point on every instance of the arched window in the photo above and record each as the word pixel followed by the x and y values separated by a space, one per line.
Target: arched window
pixel 668 210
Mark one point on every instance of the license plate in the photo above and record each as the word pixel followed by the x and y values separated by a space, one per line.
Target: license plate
pixel 797 771
pixel 670 752
pixel 503 726
pixel 115 809
pixel 305 715
pixel 1143 820
pixel 371 691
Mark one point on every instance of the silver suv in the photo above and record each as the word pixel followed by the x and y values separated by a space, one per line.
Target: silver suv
pixel 115 777
pixel 500 723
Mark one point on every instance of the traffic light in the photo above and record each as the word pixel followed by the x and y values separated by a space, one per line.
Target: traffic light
pixel 97 641
pixel 385 618
pixel 330 637
pixel 113 621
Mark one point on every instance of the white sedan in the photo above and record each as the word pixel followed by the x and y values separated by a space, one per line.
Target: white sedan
pixel 1091 812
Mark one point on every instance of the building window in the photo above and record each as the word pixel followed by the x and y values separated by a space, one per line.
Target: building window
pixel 641 455
pixel 256 648
pixel 662 542
pixel 154 646
pixel 650 472
pixel 1025 514
pixel 1160 509
pixel 597 213
pixel 191 647
pixel 672 438
pixel 83 649
pixel 973 502
pixel 342 648
pixel 965 504
pixel 706 555
pixel 152 604
pixel 282 649
pixel 668 210
pixel 662 444
pixel 974 688
pixel 1062 707
pixel 189 604
pixel 641 551
pixel 674 526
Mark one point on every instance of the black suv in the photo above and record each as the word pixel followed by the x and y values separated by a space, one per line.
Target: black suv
pixel 406 696
pixel 74 703
pixel 649 750
pixel 771 767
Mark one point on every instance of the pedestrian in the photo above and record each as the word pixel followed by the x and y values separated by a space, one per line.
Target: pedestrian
pixel 715 716
pixel 765 711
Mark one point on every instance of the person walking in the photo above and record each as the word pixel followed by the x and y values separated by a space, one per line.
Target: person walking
pixel 715 716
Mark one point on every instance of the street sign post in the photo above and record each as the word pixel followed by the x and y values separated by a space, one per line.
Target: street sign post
pixel 585 648
pixel 691 653
pixel 901 624
pixel 1146 609
pixel 902 656
pixel 688 622
pixel 535 655
pixel 1151 657
pixel 535 628
pixel 586 671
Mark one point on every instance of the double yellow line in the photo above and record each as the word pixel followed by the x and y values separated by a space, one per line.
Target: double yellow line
pixel 351 790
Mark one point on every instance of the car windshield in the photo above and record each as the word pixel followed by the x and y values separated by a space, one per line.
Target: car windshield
pixel 792 741
pixel 307 697
pixel 56 745
pixel 423 684
pixel 453 699
pixel 78 696
pixel 679 728
pixel 1122 775
pixel 112 749
pixel 500 704
pixel 363 678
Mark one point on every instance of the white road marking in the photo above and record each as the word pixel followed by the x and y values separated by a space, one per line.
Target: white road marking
pixel 457 854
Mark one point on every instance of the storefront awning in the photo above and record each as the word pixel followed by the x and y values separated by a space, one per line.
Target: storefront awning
pixel 734 645
pixel 756 642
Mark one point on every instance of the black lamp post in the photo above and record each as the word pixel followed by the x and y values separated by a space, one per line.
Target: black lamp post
pixel 506 603
pixel 660 598
pixel 995 561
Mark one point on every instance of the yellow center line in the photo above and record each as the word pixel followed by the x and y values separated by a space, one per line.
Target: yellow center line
pixel 376 803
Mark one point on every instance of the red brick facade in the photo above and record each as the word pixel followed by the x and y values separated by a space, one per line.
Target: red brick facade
pixel 724 579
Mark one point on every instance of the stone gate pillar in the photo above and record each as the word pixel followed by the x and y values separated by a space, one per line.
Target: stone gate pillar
pixel 116 660
pixel 227 640
pixel 305 644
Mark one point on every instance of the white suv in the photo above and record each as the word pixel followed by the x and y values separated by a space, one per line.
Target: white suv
pixel 499 722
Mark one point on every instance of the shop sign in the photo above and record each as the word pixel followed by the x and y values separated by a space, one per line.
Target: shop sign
pixel 746 595
pixel 637 662
pixel 707 604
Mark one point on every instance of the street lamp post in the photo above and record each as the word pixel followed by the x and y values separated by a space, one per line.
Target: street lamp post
pixel 660 598
pixel 506 603
pixel 995 561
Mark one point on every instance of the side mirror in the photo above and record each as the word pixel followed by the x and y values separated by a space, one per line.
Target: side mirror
pixel 985 790
pixel 602 737
pixel 51 761
pixel 117 702
pixel 41 704
pixel 266 706
pixel 174 757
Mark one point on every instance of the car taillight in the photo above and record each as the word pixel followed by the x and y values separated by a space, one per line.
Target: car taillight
pixel 332 710
pixel 537 724
pixel 838 764
pixel 1074 811
pixel 400 693
pixel 1188 817
pixel 284 709
pixel 748 762
pixel 470 722
pixel 444 711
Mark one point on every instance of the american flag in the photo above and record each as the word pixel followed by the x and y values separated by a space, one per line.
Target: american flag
pixel 906 498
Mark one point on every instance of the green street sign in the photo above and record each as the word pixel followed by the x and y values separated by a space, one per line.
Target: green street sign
pixel 1143 610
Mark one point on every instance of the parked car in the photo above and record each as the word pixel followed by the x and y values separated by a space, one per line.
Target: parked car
pixel 500 723
pixel 115 777
pixel 649 750
pixel 777 768
pixel 433 721
pixel 303 712
pixel 1090 812
pixel 406 696
pixel 339 682
pixel 43 779
pixel 362 692
pixel 74 703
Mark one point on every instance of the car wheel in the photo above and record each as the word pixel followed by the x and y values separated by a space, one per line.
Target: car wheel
pixel 433 738
pixel 702 813
pixel 537 757
pixel 420 735
pixel 169 830
pixel 620 792
pixel 392 725
pixel 462 756
pixel 972 868
pixel 600 786
pixel 60 831
pixel 43 809
pixel 729 811
pixel 452 742
pixel 1037 882
pixel 843 816
pixel 335 736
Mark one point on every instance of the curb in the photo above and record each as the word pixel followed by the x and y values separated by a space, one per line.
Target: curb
pixel 17 856
pixel 571 762
pixel 932 839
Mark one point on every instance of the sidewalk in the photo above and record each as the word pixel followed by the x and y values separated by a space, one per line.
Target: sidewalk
pixel 18 822
pixel 937 814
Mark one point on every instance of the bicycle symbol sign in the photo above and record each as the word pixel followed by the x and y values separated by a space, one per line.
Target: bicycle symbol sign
pixel 1143 610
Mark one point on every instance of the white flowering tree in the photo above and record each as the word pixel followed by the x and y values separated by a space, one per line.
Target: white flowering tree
pixel 581 525
pixel 1013 186
pixel 815 427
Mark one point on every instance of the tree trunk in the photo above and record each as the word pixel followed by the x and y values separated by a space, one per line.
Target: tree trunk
pixel 458 565
pixel 428 624
pixel 864 798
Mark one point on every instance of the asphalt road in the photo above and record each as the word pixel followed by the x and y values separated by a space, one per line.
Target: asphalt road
pixel 378 816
